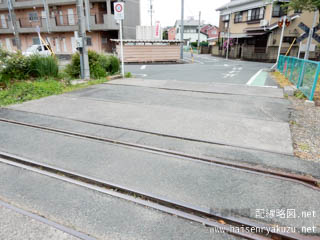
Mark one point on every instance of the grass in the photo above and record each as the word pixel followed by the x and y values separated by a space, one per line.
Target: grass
pixel 281 79
pixel 19 92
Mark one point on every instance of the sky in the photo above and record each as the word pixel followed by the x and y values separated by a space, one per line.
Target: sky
pixel 168 11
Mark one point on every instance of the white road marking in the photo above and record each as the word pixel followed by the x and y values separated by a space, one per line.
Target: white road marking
pixel 254 77
pixel 143 67
pixel 138 74
pixel 226 65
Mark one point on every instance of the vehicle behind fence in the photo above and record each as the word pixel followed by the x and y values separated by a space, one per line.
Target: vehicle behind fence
pixel 302 73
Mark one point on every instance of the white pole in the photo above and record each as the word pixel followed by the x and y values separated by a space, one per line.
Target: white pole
pixel 299 52
pixel 39 36
pixel 199 28
pixel 306 55
pixel 281 39
pixel 227 55
pixel 121 50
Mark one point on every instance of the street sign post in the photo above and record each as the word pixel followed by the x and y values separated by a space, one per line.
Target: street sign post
pixel 119 15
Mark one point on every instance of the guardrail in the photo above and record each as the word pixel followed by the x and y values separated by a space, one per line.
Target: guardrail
pixel 302 73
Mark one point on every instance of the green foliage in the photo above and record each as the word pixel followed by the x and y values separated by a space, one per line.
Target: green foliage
pixel 100 65
pixel 194 44
pixel 73 69
pixel 298 94
pixel 114 65
pixel 204 44
pixel 96 69
pixel 42 66
pixel 128 75
pixel 309 5
pixel 19 92
pixel 24 91
pixel 16 67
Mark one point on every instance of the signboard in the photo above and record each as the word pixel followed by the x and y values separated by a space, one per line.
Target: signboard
pixel 157 30
pixel 306 30
pixel 119 10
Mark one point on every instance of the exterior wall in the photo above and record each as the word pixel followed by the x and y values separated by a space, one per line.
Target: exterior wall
pixel 151 53
pixel 132 18
pixel 192 37
pixel 172 34
pixel 273 37
pixel 63 24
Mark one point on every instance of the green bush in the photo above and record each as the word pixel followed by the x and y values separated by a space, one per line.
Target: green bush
pixel 24 91
pixel 100 65
pixel 17 67
pixel 43 66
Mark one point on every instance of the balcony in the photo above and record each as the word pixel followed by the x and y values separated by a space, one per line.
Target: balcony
pixel 3 5
pixel 20 4
pixel 102 21
pixel 25 25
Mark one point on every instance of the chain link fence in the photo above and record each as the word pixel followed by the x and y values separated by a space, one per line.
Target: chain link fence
pixel 302 73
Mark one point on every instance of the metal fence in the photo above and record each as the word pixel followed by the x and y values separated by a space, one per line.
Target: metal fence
pixel 302 73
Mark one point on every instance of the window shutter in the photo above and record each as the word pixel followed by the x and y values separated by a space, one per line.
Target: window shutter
pixel 249 15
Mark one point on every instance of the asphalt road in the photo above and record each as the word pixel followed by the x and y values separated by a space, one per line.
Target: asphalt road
pixel 205 68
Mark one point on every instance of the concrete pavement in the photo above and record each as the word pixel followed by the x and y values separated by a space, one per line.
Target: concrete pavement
pixel 184 180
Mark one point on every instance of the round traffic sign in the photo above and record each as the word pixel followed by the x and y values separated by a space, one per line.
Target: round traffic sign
pixel 118 8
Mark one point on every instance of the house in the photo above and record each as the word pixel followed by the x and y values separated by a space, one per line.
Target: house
pixel 172 33
pixel 253 28
pixel 58 23
pixel 191 29
pixel 211 30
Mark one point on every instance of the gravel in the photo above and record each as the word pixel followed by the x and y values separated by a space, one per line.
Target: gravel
pixel 305 129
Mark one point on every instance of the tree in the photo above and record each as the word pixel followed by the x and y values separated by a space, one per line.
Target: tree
pixel 309 5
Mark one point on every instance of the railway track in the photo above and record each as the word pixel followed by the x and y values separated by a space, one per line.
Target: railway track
pixel 237 226
pixel 297 178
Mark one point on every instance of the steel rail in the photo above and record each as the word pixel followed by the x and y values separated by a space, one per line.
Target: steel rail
pixel 205 217
pixel 48 222
pixel 296 178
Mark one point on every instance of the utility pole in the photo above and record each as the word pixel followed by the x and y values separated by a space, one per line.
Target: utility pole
pixel 14 24
pixel 151 13
pixel 46 9
pixel 315 17
pixel 228 42
pixel 182 29
pixel 199 28
pixel 281 39
pixel 84 59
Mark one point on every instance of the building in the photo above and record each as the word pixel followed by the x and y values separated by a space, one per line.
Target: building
pixel 210 30
pixel 57 21
pixel 171 33
pixel 149 32
pixel 191 29
pixel 252 26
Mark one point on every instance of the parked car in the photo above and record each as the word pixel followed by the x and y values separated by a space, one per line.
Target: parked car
pixel 37 49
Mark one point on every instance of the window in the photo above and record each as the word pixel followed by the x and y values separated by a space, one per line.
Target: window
pixel 35 41
pixel 238 17
pixel 279 10
pixel 226 25
pixel 33 16
pixel 256 14
pixel 225 18
pixel 89 41
pixel 177 30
